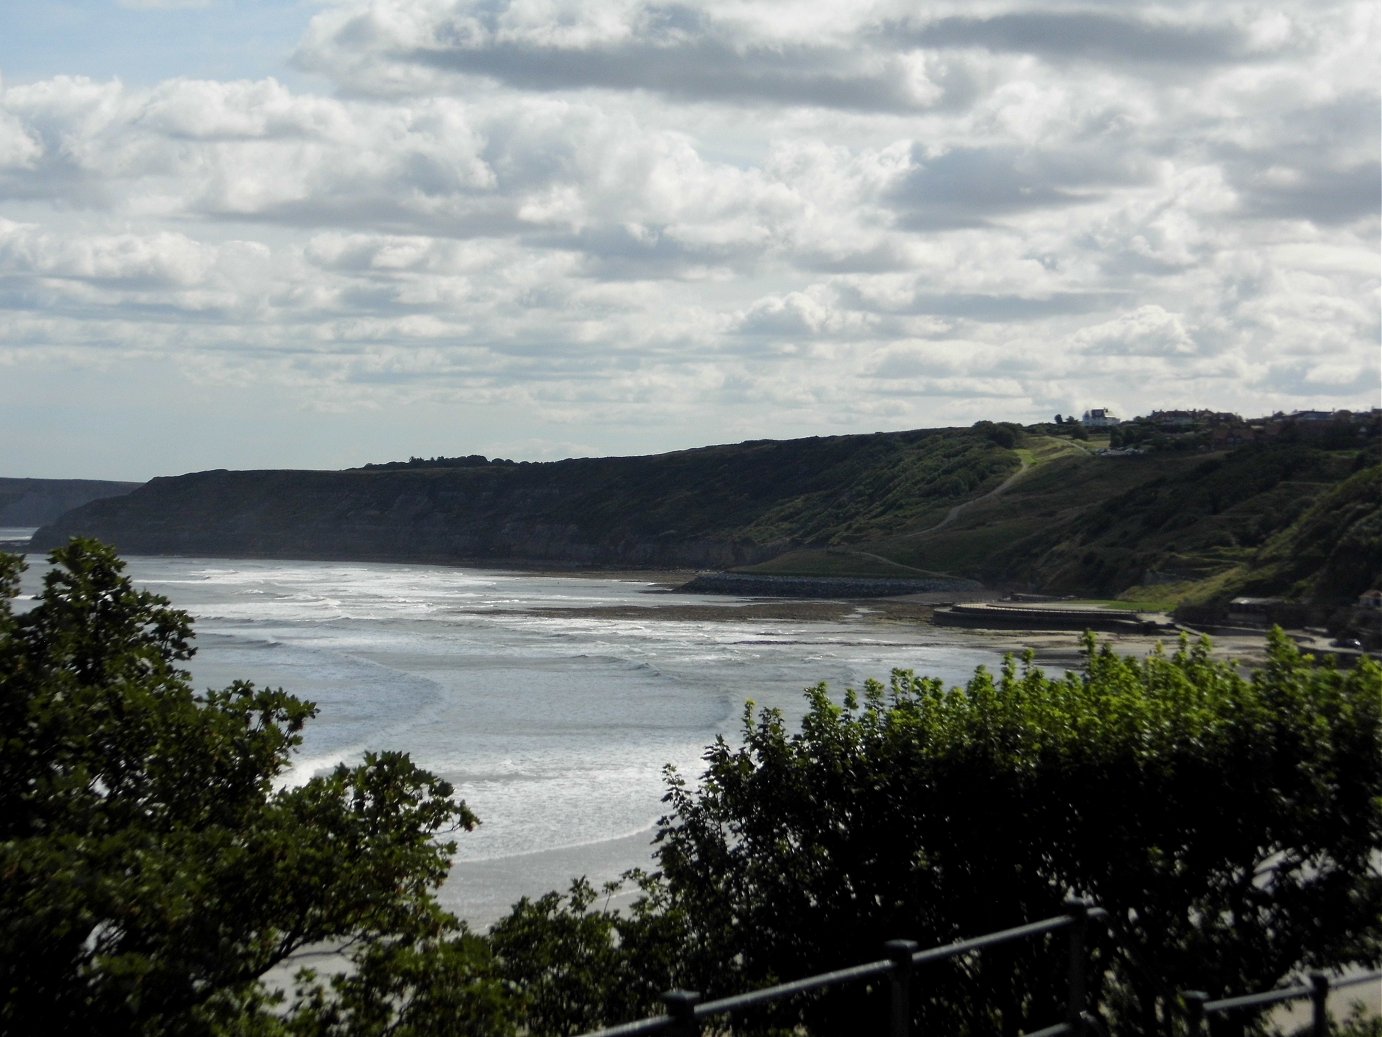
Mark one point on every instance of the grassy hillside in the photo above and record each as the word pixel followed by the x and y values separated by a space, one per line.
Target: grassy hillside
pixel 1280 518
pixel 1015 509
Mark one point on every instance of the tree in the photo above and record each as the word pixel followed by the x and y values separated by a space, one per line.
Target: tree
pixel 153 868
pixel 581 965
pixel 1230 825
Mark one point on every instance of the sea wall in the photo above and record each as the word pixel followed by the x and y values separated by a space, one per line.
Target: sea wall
pixel 1003 617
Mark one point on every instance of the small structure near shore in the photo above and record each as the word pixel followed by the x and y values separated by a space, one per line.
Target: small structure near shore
pixel 1037 617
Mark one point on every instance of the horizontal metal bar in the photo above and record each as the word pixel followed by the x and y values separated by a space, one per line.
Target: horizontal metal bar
pixel 782 991
pixel 868 970
pixel 656 1024
pixel 1353 981
pixel 978 943
pixel 1267 997
pixel 877 968
pixel 1271 997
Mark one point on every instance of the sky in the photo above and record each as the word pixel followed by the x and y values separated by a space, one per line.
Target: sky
pixel 320 233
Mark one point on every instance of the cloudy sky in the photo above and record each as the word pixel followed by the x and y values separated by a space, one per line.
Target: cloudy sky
pixel 315 233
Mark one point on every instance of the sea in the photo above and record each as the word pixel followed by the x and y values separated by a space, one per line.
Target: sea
pixel 553 718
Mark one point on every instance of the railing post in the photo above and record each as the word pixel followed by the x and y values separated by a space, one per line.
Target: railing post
pixel 1194 1011
pixel 1075 998
pixel 900 952
pixel 1319 996
pixel 681 1006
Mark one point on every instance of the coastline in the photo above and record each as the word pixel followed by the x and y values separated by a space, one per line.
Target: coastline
pixel 1053 648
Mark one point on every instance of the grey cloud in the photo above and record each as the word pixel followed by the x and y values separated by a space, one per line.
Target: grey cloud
pixel 1320 195
pixel 380 296
pixel 1007 308
pixel 615 253
pixel 1316 162
pixel 1080 35
pixel 986 308
pixel 968 187
pixel 1292 377
pixel 672 50
pixel 481 218
pixel 700 70
pixel 56 176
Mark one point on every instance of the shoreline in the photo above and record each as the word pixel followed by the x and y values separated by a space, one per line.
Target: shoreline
pixel 1052 648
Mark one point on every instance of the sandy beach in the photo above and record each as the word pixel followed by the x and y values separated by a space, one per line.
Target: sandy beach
pixel 1053 648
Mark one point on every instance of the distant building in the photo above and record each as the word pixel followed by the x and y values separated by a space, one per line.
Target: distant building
pixel 1173 419
pixel 1100 417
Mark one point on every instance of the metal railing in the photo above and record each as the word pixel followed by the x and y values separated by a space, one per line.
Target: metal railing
pixel 1199 1008
pixel 686 1011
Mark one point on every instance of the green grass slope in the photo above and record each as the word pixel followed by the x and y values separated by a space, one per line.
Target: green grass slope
pixel 1282 518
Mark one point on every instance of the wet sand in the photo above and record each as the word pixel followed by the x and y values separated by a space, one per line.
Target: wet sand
pixel 1053 648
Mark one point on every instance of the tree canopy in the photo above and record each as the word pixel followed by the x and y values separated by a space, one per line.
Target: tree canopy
pixel 1230 825
pixel 156 866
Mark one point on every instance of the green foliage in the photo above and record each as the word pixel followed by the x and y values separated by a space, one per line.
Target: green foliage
pixel 153 868
pixel 423 987
pixel 1230 825
pixel 581 964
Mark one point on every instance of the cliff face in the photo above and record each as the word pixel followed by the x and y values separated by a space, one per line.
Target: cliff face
pixel 32 502
pixel 492 516
pixel 711 508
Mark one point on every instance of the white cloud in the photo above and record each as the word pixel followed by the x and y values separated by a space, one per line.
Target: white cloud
pixel 633 226
pixel 1147 331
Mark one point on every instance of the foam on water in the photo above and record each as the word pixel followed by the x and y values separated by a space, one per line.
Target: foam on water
pixel 553 725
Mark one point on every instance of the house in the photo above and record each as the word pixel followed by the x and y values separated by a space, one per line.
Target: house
pixel 1174 420
pixel 1100 417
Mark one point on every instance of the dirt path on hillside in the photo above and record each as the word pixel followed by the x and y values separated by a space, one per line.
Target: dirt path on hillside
pixel 960 509
pixel 950 516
